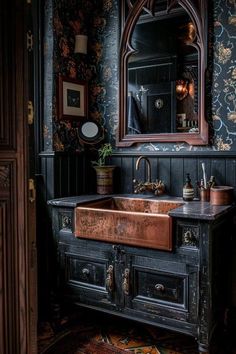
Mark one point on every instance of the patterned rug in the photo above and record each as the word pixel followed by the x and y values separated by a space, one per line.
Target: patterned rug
pixel 96 333
pixel 114 336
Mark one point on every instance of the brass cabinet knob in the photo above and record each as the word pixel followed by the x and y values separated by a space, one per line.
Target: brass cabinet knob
pixel 189 239
pixel 160 287
pixel 85 272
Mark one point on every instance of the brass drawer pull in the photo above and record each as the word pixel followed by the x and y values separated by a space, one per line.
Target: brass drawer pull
pixel 125 284
pixel 188 237
pixel 110 279
pixel 160 287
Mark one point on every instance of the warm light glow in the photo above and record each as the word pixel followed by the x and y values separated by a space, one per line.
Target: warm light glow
pixel 81 41
pixel 181 89
pixel 191 89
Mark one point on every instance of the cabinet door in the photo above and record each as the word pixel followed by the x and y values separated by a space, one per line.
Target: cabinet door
pixel 164 288
pixel 87 273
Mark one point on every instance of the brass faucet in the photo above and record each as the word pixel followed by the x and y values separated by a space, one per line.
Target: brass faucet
pixel 148 166
pixel 157 187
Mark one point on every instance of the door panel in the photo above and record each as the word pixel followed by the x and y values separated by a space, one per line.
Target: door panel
pixel 17 325
pixel 158 108
pixel 7 75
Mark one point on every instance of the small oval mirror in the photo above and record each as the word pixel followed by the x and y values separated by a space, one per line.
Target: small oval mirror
pixel 91 132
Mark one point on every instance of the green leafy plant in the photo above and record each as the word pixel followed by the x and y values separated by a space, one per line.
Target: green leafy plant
pixel 103 152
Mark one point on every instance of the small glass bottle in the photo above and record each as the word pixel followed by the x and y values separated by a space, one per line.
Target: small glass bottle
pixel 188 190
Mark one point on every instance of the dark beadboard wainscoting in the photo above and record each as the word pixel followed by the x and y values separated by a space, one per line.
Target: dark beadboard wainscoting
pixel 172 169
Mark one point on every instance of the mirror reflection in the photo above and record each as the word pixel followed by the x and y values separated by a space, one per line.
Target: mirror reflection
pixel 162 62
pixel 162 74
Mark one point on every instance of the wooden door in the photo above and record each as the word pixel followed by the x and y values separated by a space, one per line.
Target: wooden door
pixel 17 238
pixel 159 108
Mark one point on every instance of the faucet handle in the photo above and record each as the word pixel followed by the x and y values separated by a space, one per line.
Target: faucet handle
pixel 138 186
pixel 159 187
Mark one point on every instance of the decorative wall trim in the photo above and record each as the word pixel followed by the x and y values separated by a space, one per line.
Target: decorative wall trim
pixel 51 153
pixel 133 153
pixel 189 154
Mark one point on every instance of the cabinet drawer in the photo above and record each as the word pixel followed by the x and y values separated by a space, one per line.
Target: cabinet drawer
pixel 160 287
pixel 83 271
pixel 164 289
pixel 86 280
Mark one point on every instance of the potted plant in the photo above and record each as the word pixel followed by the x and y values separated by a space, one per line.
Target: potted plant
pixel 104 173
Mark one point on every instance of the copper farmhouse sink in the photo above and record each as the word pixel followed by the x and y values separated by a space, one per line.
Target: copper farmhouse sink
pixel 132 221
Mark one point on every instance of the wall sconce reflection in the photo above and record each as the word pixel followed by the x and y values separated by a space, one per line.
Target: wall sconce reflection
pixel 181 89
pixel 81 42
pixel 187 33
pixel 191 90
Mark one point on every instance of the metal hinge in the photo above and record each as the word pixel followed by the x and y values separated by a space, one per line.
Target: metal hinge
pixel 32 190
pixel 29 41
pixel 30 113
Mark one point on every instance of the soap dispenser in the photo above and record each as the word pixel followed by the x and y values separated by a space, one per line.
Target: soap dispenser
pixel 188 190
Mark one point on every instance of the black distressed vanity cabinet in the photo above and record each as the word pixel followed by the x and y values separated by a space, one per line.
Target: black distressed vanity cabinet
pixel 185 290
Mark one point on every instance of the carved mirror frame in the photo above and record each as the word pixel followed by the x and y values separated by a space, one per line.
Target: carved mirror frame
pixel 197 10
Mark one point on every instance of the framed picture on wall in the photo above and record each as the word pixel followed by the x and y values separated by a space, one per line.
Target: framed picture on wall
pixel 72 98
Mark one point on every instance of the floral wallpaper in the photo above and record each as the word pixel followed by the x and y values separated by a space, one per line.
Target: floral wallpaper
pixel 224 75
pixel 100 21
pixel 63 20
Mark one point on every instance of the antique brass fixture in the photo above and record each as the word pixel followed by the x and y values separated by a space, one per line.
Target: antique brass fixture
pixel 109 279
pixel 181 89
pixel 148 167
pixel 125 283
pixel 156 187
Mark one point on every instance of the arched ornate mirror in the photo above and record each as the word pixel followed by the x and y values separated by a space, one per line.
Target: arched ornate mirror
pixel 163 56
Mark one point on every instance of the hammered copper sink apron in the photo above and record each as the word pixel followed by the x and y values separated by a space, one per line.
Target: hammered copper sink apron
pixel 132 221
